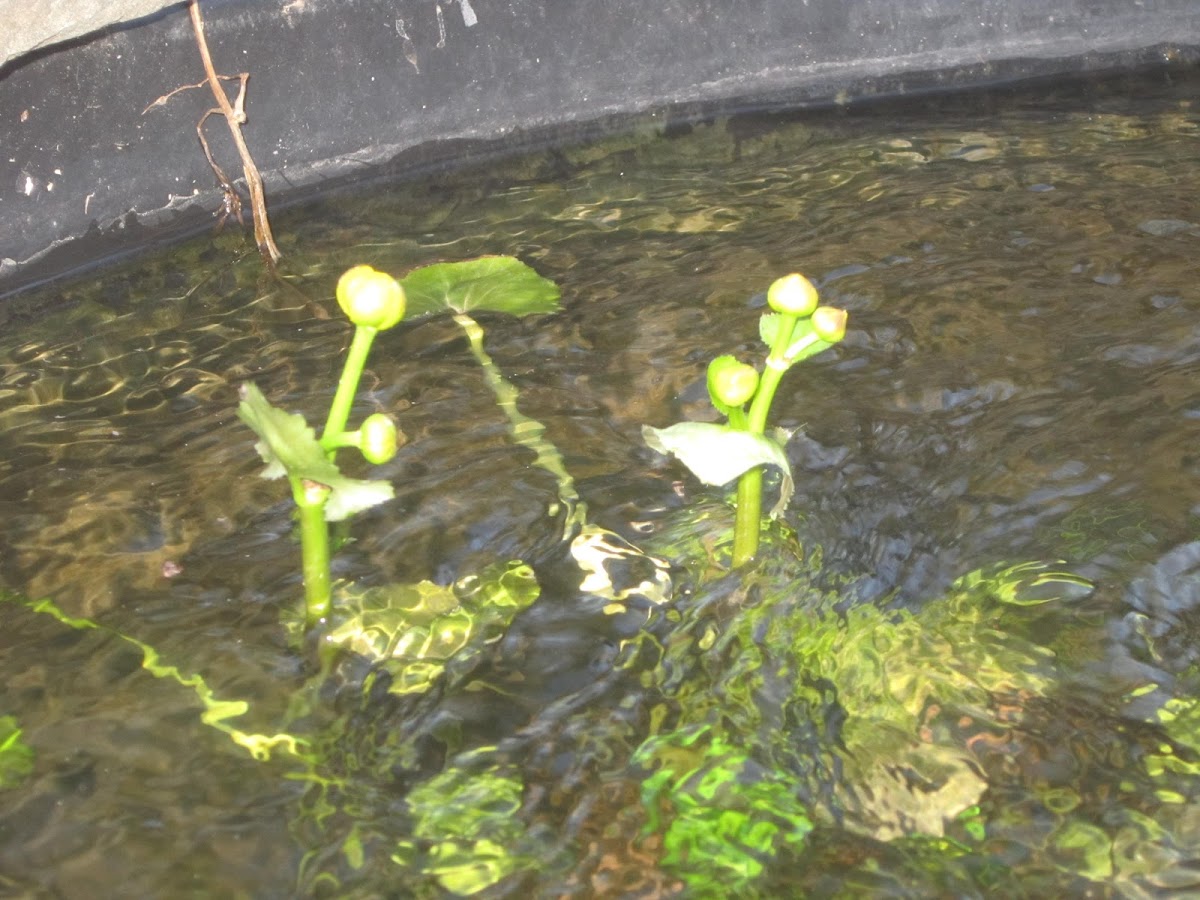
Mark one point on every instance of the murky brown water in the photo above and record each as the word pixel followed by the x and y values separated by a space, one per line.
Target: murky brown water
pixel 1020 383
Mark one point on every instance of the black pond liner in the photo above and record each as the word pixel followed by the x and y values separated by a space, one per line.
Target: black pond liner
pixel 345 89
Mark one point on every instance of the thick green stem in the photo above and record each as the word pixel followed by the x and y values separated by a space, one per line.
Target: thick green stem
pixel 748 522
pixel 314 549
pixel 339 410
pixel 760 406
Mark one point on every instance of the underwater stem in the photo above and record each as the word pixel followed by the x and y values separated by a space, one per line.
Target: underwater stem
pixel 527 432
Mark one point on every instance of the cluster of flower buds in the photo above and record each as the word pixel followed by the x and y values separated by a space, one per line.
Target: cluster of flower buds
pixel 812 328
pixel 794 295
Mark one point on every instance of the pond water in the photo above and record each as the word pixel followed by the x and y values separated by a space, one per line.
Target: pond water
pixel 964 665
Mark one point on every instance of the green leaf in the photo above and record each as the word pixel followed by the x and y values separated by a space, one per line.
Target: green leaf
pixel 717 454
pixel 768 328
pixel 802 342
pixel 488 284
pixel 289 447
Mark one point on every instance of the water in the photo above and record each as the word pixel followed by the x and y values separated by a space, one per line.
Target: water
pixel 1018 385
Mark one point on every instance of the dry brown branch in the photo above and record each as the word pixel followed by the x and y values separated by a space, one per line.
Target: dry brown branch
pixel 235 116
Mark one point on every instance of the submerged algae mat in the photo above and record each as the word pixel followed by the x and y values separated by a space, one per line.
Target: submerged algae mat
pixel 909 696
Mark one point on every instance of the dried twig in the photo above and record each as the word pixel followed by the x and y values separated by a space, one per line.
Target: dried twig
pixel 235 116
pixel 232 206
pixel 162 101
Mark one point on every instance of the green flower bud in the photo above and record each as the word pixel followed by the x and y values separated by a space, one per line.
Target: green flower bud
pixel 378 438
pixel 731 383
pixel 829 323
pixel 792 294
pixel 371 299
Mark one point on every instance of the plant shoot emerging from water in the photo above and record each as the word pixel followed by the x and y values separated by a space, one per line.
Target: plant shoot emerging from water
pixel 796 329
pixel 374 302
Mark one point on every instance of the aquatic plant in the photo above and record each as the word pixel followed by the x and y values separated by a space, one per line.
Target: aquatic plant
pixel 797 329
pixel 374 302
pixel 780 716
pixel 772 711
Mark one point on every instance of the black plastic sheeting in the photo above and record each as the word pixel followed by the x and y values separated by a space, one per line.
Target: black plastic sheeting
pixel 339 89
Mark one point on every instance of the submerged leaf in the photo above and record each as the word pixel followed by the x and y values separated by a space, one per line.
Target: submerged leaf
pixel 725 816
pixel 717 454
pixel 487 284
pixel 858 713
pixel 16 757
pixel 415 630
pixel 217 712
pixel 289 447
pixel 469 827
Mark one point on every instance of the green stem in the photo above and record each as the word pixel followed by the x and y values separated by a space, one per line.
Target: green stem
pixel 339 410
pixel 748 523
pixel 333 440
pixel 314 549
pixel 768 383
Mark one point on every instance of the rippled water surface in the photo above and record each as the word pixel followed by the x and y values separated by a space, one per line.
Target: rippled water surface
pixel 890 704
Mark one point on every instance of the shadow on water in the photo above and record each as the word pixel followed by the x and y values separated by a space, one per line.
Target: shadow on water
pixel 891 704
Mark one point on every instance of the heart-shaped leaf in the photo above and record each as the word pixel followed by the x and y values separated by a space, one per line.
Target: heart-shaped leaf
pixel 289 447
pixel 717 454
pixel 487 284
